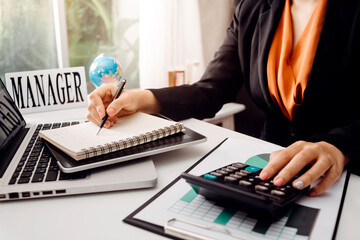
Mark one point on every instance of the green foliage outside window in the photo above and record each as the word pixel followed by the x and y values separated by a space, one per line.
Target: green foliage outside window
pixel 27 36
pixel 93 29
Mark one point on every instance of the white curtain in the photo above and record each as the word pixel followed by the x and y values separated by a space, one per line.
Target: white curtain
pixel 171 35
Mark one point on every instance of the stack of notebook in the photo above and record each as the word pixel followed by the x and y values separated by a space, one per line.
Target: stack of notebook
pixel 81 141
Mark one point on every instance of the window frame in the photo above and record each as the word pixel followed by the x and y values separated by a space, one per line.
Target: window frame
pixel 61 33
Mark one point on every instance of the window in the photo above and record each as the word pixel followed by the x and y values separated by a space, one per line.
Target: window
pixel 27 33
pixel 31 35
pixel 104 26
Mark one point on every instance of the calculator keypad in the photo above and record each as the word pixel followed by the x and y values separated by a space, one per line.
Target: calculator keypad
pixel 240 175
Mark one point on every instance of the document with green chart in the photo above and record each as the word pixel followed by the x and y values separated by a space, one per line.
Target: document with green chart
pixel 309 218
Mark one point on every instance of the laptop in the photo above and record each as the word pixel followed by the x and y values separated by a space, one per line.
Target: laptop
pixel 28 170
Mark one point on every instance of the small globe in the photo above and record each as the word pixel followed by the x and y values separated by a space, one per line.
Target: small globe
pixel 105 69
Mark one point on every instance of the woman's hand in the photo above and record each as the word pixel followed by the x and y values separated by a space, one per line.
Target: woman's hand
pixel 327 161
pixel 129 102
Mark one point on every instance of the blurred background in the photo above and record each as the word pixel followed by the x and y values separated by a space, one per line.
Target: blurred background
pixel 152 34
pixel 148 37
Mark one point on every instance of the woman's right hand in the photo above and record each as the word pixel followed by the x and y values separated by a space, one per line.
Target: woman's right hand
pixel 129 102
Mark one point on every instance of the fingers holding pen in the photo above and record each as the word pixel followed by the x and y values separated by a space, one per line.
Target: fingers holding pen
pixel 96 109
pixel 98 101
pixel 124 105
pixel 130 101
pixel 102 102
pixel 96 120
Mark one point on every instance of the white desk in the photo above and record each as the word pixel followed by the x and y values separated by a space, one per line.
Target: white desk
pixel 99 216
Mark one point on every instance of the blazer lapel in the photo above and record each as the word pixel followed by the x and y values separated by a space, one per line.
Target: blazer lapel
pixel 332 32
pixel 268 23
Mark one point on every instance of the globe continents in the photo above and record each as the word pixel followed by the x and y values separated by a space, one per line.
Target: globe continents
pixel 105 69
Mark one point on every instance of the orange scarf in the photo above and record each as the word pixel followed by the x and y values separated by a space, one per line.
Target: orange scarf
pixel 288 71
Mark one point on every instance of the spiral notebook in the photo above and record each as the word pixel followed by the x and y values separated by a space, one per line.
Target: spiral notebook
pixel 81 142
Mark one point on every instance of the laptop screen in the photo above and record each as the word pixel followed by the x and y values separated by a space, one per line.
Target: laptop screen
pixel 11 120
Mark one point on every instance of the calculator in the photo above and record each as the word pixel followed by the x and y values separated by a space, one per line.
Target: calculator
pixel 239 186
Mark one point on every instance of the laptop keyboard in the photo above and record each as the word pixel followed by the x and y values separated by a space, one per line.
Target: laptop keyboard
pixel 37 165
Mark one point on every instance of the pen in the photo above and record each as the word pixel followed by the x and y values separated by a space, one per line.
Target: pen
pixel 117 94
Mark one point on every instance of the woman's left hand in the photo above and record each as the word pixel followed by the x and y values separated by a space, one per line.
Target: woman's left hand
pixel 327 161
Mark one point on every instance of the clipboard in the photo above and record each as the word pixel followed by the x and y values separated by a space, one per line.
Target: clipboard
pixel 156 228
pixel 170 231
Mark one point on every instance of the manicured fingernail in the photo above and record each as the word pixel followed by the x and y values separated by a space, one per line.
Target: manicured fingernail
pixel 298 184
pixel 264 175
pixel 312 193
pixel 101 115
pixel 279 182
pixel 107 124
pixel 111 111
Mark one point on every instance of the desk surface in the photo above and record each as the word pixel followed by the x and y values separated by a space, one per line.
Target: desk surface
pixel 99 216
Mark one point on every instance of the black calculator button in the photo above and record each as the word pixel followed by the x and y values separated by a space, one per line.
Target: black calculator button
pixel 236 176
pixel 233 168
pixel 261 188
pixel 216 174
pixel 239 165
pixel 278 193
pixel 266 184
pixel 241 174
pixel 283 189
pixel 253 180
pixel 286 189
pixel 246 172
pixel 257 177
pixel 245 183
pixel 222 172
pixel 226 170
pixel 230 179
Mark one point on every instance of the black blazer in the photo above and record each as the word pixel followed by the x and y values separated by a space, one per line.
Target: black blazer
pixel 331 107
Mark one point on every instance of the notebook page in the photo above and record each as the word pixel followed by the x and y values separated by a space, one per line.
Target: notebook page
pixel 75 138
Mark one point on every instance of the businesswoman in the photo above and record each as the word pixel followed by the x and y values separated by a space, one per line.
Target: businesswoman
pixel 299 60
